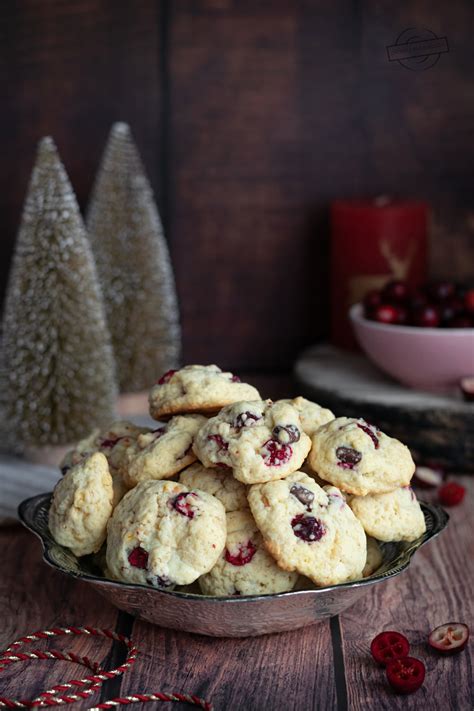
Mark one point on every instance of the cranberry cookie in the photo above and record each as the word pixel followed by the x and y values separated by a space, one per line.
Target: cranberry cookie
pixel 395 516
pixel 359 459
pixel 260 441
pixel 197 388
pixel 164 534
pixel 312 415
pixel 113 443
pixel 82 505
pixel 245 567
pixel 218 482
pixel 161 453
pixel 309 529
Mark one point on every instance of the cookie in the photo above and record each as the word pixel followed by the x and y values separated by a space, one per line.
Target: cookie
pixel 396 516
pixel 245 567
pixel 312 415
pixel 197 388
pixel 309 529
pixel 374 557
pixel 218 482
pixel 163 534
pixel 260 441
pixel 113 443
pixel 161 453
pixel 359 459
pixel 82 505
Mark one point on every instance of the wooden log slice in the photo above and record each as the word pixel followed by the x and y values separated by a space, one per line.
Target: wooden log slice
pixel 438 428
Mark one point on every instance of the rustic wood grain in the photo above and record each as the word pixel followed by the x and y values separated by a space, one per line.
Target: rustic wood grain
pixel 35 597
pixel 70 70
pixel 437 588
pixel 293 670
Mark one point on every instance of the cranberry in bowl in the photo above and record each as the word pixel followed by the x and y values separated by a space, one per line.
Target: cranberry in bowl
pixel 424 358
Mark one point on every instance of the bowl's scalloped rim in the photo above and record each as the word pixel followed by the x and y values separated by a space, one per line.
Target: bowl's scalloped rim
pixel 440 515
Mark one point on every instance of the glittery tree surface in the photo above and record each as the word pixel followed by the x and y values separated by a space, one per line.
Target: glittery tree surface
pixel 134 266
pixel 57 362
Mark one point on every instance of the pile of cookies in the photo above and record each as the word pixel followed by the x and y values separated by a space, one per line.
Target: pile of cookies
pixel 243 495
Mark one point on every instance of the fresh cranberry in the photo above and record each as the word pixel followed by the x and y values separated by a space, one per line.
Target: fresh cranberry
pixel 386 313
pixel 138 557
pixel 222 445
pixel 286 434
pixel 348 457
pixel 166 377
pixel 304 495
pixel 449 638
pixel 417 299
pixel 461 321
pixel 389 645
pixel 451 494
pixel 308 528
pixel 397 291
pixel 246 419
pixel 235 379
pixel 182 506
pixel 369 431
pixel 440 290
pixel 426 317
pixel 371 301
pixel 276 454
pixel 469 301
pixel 406 674
pixel 244 556
pixel 402 315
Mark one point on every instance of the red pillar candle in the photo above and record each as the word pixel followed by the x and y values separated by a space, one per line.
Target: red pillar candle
pixel 373 242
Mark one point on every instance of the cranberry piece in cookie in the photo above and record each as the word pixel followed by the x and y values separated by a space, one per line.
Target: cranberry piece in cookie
pixel 246 419
pixel 222 445
pixel 275 454
pixel 369 430
pixel 348 457
pixel 307 528
pixel 166 377
pixel 138 557
pixel 182 506
pixel 244 555
pixel 286 434
pixel 304 495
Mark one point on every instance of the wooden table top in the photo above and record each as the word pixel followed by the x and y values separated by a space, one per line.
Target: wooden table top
pixel 324 666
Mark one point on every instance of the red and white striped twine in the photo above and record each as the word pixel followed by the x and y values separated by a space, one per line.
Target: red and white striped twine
pixel 78 689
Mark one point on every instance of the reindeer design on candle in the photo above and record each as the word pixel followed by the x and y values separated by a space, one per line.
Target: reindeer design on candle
pixel 399 267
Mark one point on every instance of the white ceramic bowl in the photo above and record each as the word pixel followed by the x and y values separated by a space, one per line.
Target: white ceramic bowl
pixel 423 358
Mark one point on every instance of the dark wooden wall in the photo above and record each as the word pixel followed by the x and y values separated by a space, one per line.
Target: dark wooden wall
pixel 250 117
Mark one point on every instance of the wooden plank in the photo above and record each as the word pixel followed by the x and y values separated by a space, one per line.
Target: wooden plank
pixel 289 671
pixel 35 597
pixel 436 588
pixel 74 69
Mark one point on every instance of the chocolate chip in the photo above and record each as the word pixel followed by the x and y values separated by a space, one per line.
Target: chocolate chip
pixel 305 496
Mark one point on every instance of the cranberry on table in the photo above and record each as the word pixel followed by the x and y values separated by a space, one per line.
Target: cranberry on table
pixel 389 645
pixel 405 675
pixel 426 317
pixel 449 638
pixel 451 494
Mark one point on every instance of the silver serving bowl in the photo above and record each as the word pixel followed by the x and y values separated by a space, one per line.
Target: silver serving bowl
pixel 241 616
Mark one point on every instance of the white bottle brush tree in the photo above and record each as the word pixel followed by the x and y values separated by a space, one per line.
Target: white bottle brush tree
pixel 58 370
pixel 134 266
